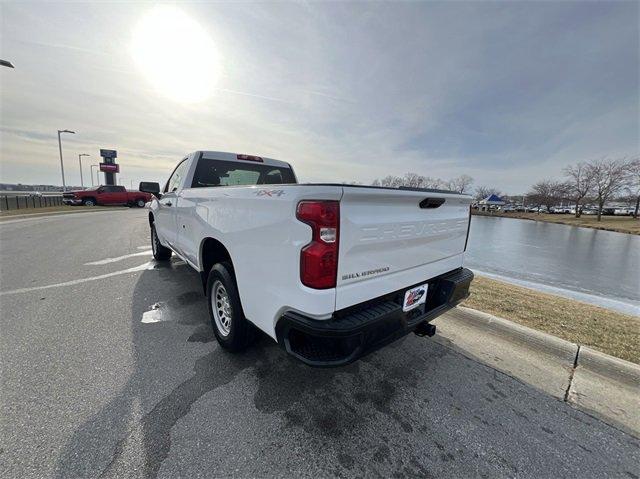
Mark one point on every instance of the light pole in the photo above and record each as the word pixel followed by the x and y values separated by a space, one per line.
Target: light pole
pixel 97 173
pixel 64 185
pixel 80 162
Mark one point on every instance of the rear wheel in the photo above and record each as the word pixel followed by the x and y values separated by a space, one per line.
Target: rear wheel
pixel 140 203
pixel 232 330
pixel 160 252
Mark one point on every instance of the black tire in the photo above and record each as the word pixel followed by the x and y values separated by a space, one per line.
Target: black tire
pixel 89 202
pixel 160 253
pixel 140 203
pixel 240 332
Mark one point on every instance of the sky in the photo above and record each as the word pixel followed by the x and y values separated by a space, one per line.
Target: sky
pixel 506 92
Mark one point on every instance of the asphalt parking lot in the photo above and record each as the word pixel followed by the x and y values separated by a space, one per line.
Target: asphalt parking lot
pixel 92 386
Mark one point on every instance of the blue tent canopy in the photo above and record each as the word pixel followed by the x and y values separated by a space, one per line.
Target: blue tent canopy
pixel 492 200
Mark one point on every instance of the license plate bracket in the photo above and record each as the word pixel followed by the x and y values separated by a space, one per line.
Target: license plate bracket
pixel 414 297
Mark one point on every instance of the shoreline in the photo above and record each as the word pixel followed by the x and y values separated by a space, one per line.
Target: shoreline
pixel 616 224
pixel 593 299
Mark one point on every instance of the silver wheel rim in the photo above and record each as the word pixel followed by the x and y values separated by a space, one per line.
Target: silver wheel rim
pixel 221 306
pixel 153 240
pixel 140 203
pixel 89 203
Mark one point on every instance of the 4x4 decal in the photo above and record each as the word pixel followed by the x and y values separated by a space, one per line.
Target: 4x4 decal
pixel 270 193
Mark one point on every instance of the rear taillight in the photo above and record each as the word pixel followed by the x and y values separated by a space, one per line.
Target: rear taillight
pixel 319 258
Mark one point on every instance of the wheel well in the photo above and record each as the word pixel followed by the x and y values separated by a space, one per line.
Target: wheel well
pixel 150 218
pixel 89 198
pixel 211 252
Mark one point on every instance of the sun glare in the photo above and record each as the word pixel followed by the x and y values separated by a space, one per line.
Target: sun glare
pixel 176 55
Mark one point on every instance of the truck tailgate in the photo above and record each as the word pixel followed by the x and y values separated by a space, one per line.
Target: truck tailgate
pixel 391 239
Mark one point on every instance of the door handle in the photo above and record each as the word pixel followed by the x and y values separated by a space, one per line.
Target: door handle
pixel 167 203
pixel 431 203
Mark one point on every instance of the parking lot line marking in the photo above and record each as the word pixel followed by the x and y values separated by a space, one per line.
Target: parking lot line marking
pixel 118 258
pixel 146 266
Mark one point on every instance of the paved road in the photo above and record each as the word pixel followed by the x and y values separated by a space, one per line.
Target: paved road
pixel 89 389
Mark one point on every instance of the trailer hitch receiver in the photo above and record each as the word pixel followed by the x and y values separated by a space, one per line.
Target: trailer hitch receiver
pixel 425 329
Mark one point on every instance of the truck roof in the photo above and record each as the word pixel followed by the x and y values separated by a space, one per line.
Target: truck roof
pixel 227 156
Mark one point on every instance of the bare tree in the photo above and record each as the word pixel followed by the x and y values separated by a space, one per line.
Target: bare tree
pixel 435 183
pixel 391 181
pixel 580 183
pixel 632 183
pixel 547 193
pixel 461 184
pixel 608 179
pixel 483 192
pixel 413 180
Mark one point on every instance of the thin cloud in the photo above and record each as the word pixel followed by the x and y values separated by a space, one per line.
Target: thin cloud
pixel 509 93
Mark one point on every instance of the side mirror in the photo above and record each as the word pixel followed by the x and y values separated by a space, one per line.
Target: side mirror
pixel 150 187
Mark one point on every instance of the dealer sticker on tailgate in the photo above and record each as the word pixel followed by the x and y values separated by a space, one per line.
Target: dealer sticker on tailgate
pixel 414 297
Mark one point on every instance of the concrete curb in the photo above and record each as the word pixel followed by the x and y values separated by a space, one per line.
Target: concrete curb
pixel 595 382
pixel 540 360
pixel 613 368
pixel 543 342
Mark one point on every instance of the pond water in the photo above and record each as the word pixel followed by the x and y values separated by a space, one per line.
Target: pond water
pixel 599 267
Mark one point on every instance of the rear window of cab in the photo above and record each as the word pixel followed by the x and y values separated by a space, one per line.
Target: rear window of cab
pixel 210 173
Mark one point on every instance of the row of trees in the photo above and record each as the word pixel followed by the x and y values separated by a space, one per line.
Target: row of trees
pixel 595 181
pixel 461 184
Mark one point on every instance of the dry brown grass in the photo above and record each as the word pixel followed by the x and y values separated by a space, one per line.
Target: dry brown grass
pixel 621 224
pixel 47 209
pixel 613 333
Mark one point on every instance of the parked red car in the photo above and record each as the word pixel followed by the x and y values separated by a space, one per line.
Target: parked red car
pixel 106 195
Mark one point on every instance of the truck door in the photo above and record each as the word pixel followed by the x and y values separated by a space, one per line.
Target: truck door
pixel 122 196
pixel 166 215
pixel 111 195
pixel 118 195
pixel 186 218
pixel 104 195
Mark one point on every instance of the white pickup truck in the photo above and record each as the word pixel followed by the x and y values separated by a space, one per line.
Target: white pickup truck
pixel 330 271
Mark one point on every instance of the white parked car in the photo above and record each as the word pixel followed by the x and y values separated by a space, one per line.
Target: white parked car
pixel 623 211
pixel 329 271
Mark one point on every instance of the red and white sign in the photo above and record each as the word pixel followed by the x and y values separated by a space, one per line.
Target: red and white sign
pixel 110 167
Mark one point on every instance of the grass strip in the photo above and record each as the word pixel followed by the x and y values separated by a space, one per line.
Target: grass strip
pixel 608 331
pixel 620 224
pixel 54 209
